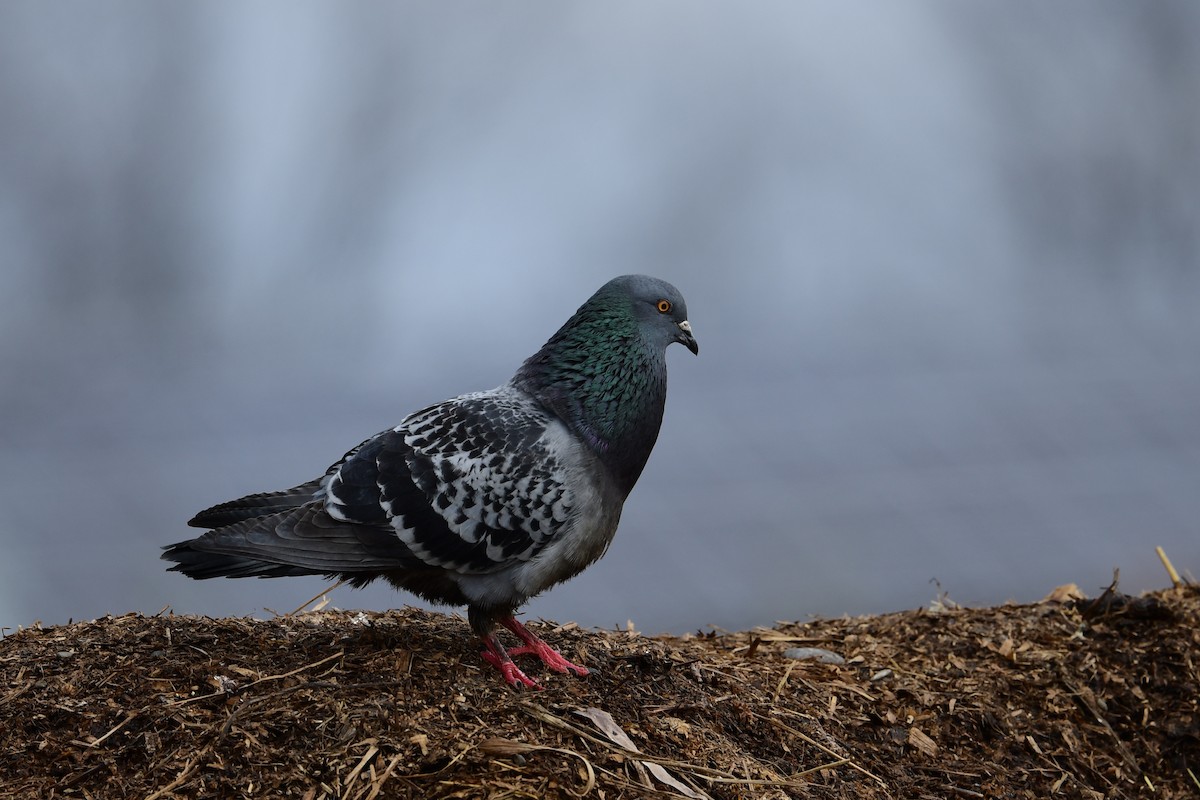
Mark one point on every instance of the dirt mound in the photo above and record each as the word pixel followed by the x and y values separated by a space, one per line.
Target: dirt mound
pixel 1066 698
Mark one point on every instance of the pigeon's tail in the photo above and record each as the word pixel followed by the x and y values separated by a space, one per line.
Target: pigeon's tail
pixel 257 505
pixel 203 564
pixel 298 541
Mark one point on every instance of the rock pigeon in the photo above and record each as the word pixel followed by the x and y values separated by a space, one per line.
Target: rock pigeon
pixel 484 500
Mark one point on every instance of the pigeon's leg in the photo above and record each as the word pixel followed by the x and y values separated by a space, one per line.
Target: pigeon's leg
pixel 495 654
pixel 535 646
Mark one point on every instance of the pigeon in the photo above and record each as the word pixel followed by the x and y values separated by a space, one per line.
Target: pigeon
pixel 484 500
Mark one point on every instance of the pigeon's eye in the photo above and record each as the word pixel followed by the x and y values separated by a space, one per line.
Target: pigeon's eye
pixel 664 306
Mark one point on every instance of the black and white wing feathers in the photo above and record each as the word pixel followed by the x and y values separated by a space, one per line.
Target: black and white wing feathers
pixel 470 485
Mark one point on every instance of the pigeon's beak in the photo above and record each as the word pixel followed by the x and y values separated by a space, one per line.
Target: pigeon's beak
pixel 686 339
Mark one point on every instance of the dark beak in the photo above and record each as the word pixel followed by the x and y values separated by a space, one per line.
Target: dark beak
pixel 686 339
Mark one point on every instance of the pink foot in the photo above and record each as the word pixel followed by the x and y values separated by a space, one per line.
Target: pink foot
pixel 508 670
pixel 535 646
pixel 495 654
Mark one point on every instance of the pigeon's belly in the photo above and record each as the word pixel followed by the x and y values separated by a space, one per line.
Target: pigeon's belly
pixel 580 543
pixel 585 540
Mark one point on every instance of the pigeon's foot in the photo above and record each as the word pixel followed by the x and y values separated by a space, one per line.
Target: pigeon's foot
pixel 536 646
pixel 495 654
pixel 498 657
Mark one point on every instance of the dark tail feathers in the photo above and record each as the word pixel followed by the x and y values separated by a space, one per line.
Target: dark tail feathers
pixel 297 541
pixel 201 564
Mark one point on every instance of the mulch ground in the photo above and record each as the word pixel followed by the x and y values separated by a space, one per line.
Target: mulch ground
pixel 1066 698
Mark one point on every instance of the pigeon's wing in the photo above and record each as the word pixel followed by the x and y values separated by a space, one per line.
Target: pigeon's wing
pixel 265 503
pixel 470 485
pixel 256 505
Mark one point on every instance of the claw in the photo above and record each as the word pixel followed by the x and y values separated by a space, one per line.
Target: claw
pixel 549 656
pixel 495 654
pixel 537 647
pixel 508 670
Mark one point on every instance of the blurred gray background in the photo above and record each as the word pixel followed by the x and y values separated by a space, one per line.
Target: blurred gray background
pixel 941 258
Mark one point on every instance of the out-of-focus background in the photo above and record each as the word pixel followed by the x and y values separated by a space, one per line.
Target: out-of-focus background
pixel 942 261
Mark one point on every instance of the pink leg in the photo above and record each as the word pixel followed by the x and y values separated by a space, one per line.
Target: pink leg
pixel 535 646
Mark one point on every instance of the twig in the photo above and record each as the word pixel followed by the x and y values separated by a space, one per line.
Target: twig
pixel 296 671
pixel 640 789
pixel 175 784
pixel 783 682
pixel 1088 700
pixel 372 751
pixel 237 712
pixel 705 773
pixel 414 775
pixel 1103 604
pixel 198 698
pixel 128 718
pixel 312 599
pixel 505 747
pixel 809 740
pixel 1176 581
pixel 766 782
pixel 387 773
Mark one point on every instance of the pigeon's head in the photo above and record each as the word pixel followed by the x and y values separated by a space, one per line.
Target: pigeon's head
pixel 604 373
pixel 658 307
pixel 610 353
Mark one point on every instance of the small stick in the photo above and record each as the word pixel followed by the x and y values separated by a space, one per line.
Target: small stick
pixel 372 751
pixel 805 738
pixel 128 718
pixel 387 773
pixel 313 599
pixel 296 671
pixel 1176 581
pixel 782 683
pixel 1088 699
pixel 540 713
pixel 175 784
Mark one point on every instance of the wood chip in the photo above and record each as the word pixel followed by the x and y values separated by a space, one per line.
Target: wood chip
pixel 918 739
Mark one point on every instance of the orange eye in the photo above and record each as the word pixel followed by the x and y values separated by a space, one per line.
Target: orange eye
pixel 664 306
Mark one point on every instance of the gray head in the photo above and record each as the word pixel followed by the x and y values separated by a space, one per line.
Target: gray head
pixel 658 307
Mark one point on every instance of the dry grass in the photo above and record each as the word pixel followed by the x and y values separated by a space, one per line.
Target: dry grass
pixel 1067 698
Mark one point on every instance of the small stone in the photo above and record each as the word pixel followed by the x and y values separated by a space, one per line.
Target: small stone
pixel 813 654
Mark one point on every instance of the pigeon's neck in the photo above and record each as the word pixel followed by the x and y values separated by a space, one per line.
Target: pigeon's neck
pixel 601 378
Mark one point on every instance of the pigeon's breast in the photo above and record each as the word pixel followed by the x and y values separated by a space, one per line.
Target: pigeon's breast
pixel 594 518
pixel 583 538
